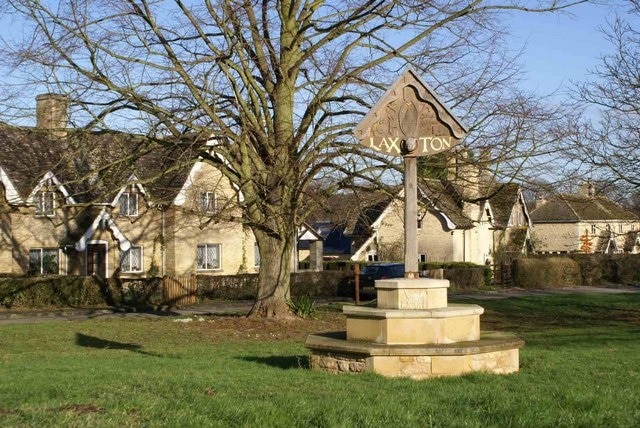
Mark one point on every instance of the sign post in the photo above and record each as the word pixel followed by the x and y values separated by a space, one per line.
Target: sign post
pixel 410 121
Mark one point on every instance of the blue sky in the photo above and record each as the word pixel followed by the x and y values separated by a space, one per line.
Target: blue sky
pixel 560 48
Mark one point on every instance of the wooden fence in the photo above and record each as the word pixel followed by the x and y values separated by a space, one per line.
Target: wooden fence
pixel 503 274
pixel 179 291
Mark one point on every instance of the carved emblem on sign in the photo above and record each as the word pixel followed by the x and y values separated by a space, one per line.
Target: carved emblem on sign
pixel 410 110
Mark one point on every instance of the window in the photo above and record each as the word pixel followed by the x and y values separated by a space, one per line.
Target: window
pixel 45 203
pixel 608 227
pixel 619 228
pixel 208 202
pixel 43 261
pixel 131 260
pixel 208 257
pixel 423 258
pixel 129 204
pixel 593 229
pixel 419 223
pixel 372 257
pixel 256 255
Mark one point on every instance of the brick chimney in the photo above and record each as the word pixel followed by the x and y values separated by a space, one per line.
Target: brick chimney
pixel 51 113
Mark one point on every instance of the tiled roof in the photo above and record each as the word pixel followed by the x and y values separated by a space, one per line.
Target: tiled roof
pixel 502 198
pixel 357 211
pixel 574 208
pixel 93 166
pixel 354 211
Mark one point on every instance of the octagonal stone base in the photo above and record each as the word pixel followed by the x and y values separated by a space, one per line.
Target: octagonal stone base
pixel 494 352
pixel 455 323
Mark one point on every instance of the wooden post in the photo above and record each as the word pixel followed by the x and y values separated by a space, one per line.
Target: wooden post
pixel 410 214
pixel 356 272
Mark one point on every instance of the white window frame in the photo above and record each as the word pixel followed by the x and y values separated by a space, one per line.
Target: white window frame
pixel 207 265
pixel 206 205
pixel 126 255
pixel 40 200
pixel 422 258
pixel 125 208
pixel 41 252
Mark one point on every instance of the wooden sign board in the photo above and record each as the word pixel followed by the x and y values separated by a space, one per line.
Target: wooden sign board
pixel 410 110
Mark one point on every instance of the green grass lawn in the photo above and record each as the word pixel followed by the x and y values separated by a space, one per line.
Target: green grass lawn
pixel 580 367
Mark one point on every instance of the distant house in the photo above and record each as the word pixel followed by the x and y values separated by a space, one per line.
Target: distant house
pixel 309 248
pixel 449 229
pixel 511 222
pixel 95 203
pixel 584 222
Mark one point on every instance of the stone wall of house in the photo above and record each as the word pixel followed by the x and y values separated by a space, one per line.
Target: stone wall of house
pixel 29 231
pixel 480 243
pixel 191 227
pixel 6 244
pixel 433 241
pixel 144 230
pixel 554 237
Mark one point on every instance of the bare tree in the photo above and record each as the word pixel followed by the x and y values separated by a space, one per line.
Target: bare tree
pixel 608 138
pixel 276 87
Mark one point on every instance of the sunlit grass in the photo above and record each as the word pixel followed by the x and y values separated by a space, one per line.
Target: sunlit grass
pixel 580 367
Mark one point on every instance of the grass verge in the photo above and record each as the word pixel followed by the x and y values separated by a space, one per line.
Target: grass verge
pixel 581 367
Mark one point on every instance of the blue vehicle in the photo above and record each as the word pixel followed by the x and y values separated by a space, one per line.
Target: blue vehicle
pixel 375 271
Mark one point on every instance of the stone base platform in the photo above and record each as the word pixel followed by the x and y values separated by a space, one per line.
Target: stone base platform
pixel 494 352
pixel 449 324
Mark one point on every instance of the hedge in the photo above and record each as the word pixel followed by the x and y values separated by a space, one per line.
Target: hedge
pixel 546 271
pixel 81 291
pixel 245 286
pixel 552 272
pixel 602 269
pixel 77 291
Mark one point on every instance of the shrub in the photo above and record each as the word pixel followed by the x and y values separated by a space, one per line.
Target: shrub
pixel 602 269
pixel 302 306
pixel 462 275
pixel 548 272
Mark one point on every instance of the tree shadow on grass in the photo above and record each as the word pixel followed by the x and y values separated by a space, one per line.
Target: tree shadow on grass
pixel 284 362
pixel 97 343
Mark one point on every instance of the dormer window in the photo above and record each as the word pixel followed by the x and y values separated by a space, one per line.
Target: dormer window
pixel 129 204
pixel 208 202
pixel 45 203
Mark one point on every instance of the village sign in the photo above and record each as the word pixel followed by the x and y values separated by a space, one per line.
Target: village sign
pixel 410 121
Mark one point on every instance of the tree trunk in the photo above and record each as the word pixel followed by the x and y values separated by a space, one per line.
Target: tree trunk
pixel 274 277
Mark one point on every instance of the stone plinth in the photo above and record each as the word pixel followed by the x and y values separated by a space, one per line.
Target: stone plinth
pixel 404 293
pixel 494 352
pixel 455 323
pixel 414 333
